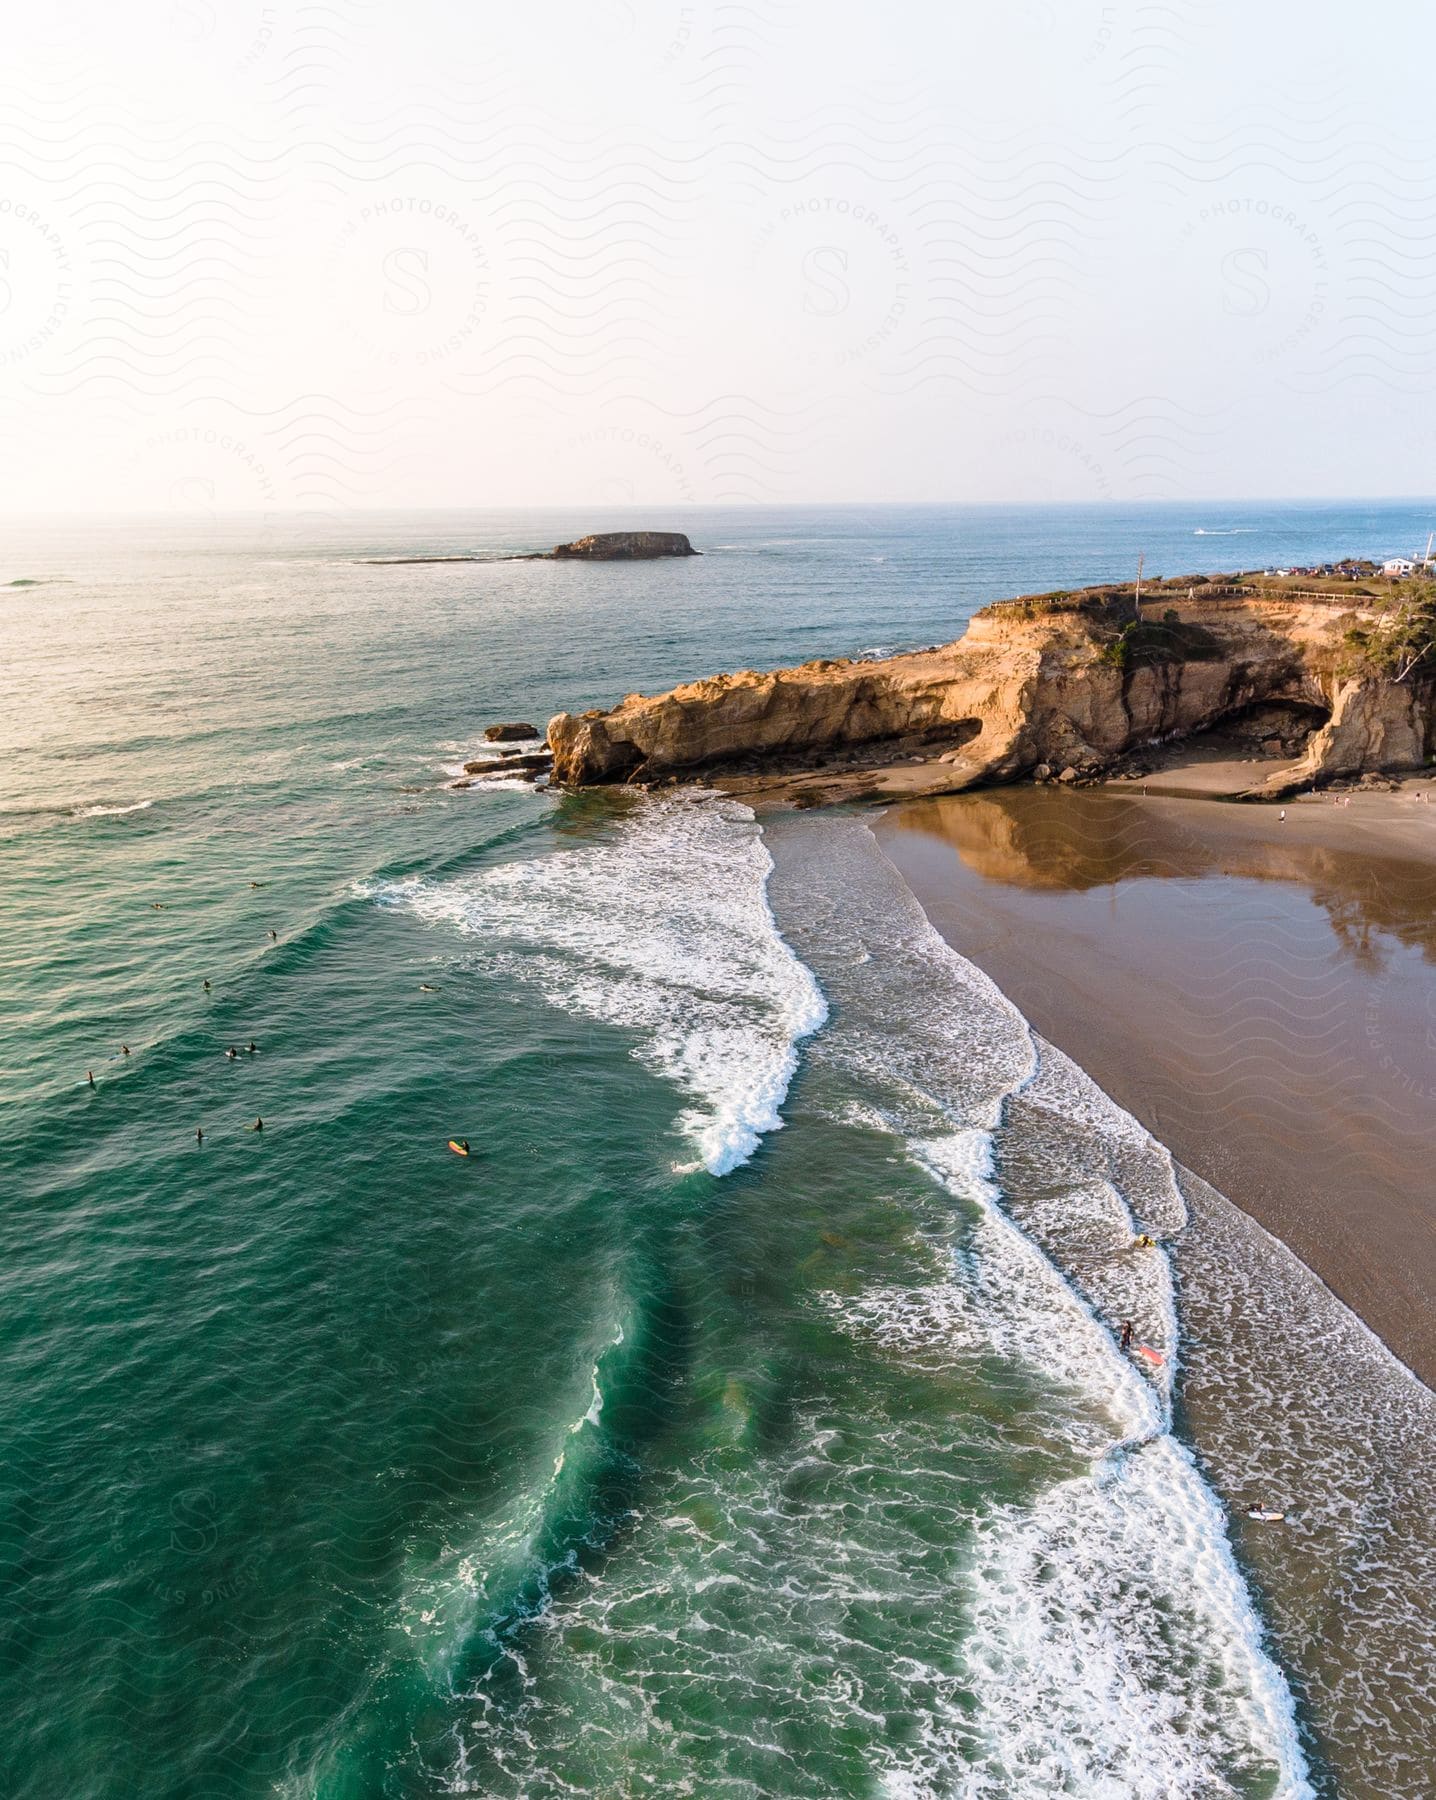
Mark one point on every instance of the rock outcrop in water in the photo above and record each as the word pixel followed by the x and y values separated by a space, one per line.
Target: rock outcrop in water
pixel 624 546
pixel 539 762
pixel 1073 684
pixel 601 546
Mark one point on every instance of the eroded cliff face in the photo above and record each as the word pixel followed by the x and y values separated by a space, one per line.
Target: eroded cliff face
pixel 1015 693
pixel 1374 724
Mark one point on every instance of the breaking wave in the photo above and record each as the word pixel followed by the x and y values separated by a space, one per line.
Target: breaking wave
pixel 663 929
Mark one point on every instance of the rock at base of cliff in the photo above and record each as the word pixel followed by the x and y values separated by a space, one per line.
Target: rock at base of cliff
pixel 1375 724
pixel 532 764
pixel 624 546
pixel 509 733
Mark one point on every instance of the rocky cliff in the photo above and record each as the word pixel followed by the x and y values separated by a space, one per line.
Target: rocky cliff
pixel 1026 690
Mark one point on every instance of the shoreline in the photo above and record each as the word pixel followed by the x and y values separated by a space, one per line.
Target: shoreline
pixel 1285 1397
pixel 1259 993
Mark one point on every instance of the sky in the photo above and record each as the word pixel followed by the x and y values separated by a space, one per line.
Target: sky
pixel 326 256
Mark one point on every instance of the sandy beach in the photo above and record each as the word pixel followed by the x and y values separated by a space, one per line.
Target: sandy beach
pixel 1259 991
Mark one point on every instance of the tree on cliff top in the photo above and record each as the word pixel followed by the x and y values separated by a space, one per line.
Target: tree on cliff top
pixel 1401 639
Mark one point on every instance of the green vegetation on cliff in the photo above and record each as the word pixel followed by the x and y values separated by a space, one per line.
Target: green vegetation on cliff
pixel 1401 640
pixel 1147 642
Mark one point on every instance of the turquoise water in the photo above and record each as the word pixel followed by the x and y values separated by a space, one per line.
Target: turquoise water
pixel 743 1417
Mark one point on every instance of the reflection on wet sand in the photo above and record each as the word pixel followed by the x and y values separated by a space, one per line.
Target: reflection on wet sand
pixel 1044 839
pixel 1260 992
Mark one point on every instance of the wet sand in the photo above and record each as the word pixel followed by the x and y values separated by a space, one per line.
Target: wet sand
pixel 1260 993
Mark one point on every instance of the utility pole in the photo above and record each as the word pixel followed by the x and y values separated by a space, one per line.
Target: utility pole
pixel 1141 558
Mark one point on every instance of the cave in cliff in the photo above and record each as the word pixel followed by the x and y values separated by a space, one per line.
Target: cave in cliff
pixel 1280 727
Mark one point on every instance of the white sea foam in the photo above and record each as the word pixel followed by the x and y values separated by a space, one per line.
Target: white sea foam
pixel 501 784
pixel 1113 1648
pixel 1030 1311
pixel 1109 1141
pixel 110 812
pixel 664 928
pixel 927 1326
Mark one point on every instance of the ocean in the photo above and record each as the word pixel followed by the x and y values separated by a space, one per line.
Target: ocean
pixel 744 1416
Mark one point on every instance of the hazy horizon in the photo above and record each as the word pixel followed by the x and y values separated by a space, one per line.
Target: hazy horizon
pixel 1135 502
pixel 662 254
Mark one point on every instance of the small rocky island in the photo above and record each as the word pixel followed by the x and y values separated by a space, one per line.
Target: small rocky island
pixel 598 546
pixel 624 546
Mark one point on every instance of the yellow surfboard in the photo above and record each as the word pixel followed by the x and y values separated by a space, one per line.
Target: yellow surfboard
pixel 458 1148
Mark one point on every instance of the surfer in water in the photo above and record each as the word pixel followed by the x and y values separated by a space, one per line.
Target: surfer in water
pixel 231 1055
pixel 258 1125
pixel 273 935
pixel 252 1047
pixel 124 1049
pixel 1126 1334
pixel 90 1076
pixel 206 987
pixel 199 1134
